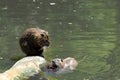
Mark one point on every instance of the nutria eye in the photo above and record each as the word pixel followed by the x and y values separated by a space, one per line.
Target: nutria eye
pixel 61 60
pixel 42 35
pixel 47 37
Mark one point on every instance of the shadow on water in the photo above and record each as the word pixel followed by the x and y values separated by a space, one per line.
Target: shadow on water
pixel 83 29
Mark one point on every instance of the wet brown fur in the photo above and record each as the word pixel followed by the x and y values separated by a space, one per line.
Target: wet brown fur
pixel 33 40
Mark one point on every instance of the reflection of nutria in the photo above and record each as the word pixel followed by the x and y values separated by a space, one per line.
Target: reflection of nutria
pixel 33 40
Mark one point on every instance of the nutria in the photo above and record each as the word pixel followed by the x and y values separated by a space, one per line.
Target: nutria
pixel 27 68
pixel 31 68
pixel 33 40
pixel 62 66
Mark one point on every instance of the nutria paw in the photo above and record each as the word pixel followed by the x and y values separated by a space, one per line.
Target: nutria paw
pixel 33 40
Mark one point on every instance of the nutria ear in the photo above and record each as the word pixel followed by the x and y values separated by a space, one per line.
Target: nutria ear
pixel 61 60
pixel 46 33
pixel 42 35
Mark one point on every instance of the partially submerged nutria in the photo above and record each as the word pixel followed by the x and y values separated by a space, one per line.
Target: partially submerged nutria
pixel 31 68
pixel 33 40
pixel 28 68
pixel 62 66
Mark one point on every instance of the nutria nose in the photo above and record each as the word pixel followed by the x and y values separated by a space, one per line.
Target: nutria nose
pixel 47 43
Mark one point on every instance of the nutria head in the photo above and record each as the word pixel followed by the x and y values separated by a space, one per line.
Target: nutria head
pixel 61 66
pixel 33 40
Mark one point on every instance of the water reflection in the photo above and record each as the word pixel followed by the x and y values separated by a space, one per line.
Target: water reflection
pixel 86 30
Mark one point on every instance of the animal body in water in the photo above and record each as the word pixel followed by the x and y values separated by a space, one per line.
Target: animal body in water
pixel 62 66
pixel 30 68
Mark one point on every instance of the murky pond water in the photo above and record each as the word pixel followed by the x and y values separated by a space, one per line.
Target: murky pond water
pixel 86 30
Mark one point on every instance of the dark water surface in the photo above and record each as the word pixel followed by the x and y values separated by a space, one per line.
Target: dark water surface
pixel 87 30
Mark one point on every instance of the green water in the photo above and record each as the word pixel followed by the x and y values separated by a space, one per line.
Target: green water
pixel 87 30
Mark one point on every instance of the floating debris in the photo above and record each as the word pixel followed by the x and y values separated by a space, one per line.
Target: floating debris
pixel 41 2
pixel 60 23
pixel 61 45
pixel 1 58
pixel 16 37
pixel 74 11
pixel 92 17
pixel 34 0
pixel 47 18
pixel 4 8
pixel 38 7
pixel 70 23
pixel 52 4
